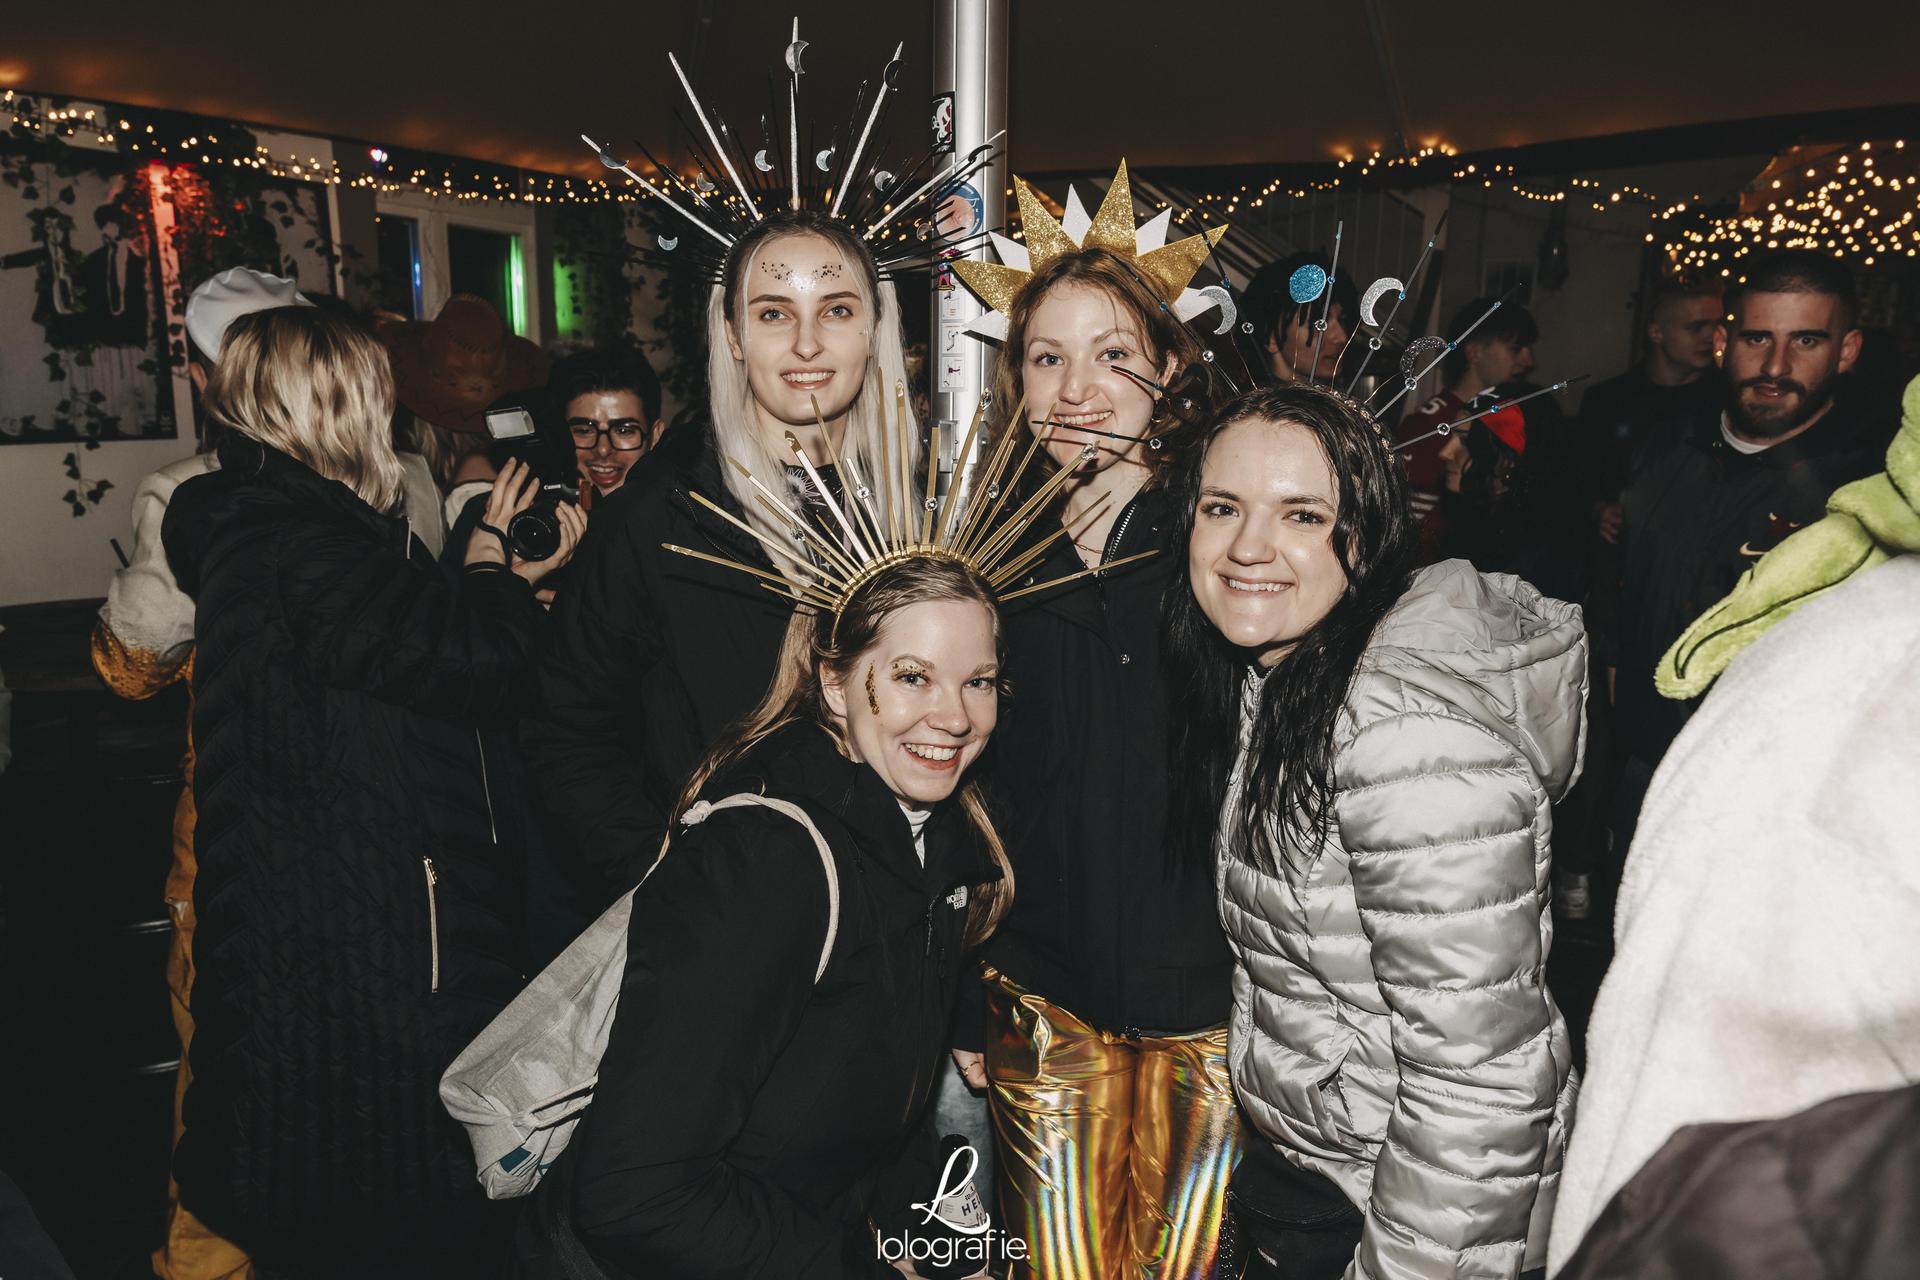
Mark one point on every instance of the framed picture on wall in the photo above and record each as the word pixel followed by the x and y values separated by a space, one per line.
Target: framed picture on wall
pixel 83 325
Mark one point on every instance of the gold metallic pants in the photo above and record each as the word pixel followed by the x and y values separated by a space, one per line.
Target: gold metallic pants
pixel 1114 1153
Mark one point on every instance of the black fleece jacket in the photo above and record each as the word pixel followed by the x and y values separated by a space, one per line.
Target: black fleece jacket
pixel 748 1122
pixel 357 918
pixel 1079 776
pixel 650 657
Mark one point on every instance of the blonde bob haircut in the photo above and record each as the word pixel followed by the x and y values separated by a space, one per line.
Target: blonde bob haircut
pixel 318 388
pixel 735 429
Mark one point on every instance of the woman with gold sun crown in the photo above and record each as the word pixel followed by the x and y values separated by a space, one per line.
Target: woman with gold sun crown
pixel 1100 1026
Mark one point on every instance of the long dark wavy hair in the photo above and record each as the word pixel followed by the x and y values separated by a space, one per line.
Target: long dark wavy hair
pixel 1290 765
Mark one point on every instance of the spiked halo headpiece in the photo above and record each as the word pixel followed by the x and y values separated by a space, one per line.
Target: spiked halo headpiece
pixel 888 203
pixel 874 525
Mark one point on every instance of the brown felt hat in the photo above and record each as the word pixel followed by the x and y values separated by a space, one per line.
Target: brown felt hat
pixel 450 369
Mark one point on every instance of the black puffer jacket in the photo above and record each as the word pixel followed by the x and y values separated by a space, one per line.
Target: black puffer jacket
pixel 1079 777
pixel 748 1122
pixel 651 657
pixel 355 919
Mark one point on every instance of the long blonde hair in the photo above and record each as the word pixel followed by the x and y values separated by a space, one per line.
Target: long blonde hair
pixel 795 697
pixel 318 388
pixel 730 397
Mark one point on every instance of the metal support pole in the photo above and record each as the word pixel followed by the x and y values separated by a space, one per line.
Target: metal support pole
pixel 970 65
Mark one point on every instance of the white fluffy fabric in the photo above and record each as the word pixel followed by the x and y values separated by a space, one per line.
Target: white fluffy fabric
pixel 1769 926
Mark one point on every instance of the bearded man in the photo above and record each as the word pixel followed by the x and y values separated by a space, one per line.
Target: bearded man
pixel 1707 501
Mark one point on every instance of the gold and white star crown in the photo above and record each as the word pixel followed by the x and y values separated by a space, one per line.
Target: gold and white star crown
pixel 823 568
pixel 1165 268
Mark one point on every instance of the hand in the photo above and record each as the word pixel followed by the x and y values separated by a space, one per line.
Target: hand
pixel 512 493
pixel 1609 521
pixel 973 1067
pixel 573 527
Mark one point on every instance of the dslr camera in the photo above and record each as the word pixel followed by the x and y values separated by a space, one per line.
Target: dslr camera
pixel 515 425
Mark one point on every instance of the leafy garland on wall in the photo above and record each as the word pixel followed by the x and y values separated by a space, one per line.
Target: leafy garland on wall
pixel 50 228
pixel 222 218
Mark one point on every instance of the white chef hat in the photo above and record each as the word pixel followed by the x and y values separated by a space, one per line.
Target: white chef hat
pixel 238 292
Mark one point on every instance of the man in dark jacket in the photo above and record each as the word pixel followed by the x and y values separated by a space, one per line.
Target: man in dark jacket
pixel 1708 500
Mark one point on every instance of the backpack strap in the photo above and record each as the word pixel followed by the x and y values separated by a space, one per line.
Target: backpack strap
pixel 700 811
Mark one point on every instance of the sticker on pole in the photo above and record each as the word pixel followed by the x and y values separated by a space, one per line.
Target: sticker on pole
pixel 961 213
pixel 943 124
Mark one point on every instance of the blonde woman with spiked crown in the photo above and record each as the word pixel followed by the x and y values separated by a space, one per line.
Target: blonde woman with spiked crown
pixel 654 655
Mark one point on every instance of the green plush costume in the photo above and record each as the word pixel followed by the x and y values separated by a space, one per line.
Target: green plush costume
pixel 1867 522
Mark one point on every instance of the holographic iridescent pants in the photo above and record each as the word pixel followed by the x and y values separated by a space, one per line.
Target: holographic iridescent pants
pixel 1114 1152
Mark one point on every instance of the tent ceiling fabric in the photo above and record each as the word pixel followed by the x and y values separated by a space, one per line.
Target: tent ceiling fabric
pixel 1192 84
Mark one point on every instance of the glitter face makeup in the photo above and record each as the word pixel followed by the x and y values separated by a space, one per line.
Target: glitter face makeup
pixel 801 330
pixel 804 281
pixel 933 698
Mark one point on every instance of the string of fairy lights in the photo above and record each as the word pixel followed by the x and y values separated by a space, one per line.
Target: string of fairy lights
pixel 1861 201
pixel 1858 202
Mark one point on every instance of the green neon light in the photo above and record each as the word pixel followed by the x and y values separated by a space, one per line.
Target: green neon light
pixel 563 315
pixel 516 287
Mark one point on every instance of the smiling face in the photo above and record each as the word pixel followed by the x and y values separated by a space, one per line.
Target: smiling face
pixel 615 425
pixel 1261 556
pixel 802 326
pixel 919 704
pixel 1077 338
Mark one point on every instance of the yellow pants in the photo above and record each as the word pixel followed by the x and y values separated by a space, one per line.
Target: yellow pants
pixel 1113 1153
pixel 192 1250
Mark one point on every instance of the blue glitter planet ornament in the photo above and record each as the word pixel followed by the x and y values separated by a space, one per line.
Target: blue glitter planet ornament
pixel 1307 283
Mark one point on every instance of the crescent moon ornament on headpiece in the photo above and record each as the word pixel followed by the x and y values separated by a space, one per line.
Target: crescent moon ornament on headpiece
pixel 730 188
pixel 1376 291
pixel 1220 297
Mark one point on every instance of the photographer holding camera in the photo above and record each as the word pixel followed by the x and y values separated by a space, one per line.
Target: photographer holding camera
pixel 598 415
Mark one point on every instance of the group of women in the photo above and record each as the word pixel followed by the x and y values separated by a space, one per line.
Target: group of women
pixel 1222 872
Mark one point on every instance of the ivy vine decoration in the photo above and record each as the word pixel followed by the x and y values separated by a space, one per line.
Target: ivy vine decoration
pixel 92 492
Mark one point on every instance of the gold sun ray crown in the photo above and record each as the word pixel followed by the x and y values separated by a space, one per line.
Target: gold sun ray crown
pixel 872 525
pixel 1165 268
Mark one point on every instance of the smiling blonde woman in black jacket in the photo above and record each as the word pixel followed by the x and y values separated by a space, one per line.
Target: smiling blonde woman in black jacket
pixel 751 1119
pixel 354 908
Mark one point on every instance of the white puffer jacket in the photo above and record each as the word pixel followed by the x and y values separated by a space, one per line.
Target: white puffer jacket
pixel 1392 1027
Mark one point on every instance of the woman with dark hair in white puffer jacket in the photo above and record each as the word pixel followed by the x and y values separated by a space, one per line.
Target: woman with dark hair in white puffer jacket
pixel 1371 755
